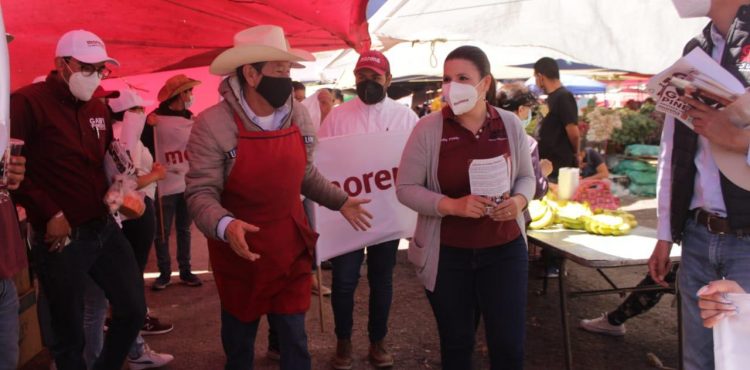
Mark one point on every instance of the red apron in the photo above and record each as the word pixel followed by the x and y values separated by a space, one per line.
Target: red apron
pixel 263 189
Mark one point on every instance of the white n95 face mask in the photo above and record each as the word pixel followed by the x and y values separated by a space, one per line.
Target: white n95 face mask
pixel 692 8
pixel 83 87
pixel 460 97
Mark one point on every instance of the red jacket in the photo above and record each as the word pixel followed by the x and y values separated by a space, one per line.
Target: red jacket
pixel 65 141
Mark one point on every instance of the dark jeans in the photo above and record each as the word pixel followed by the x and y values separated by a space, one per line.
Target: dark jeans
pixel 100 250
pixel 174 207
pixel 639 302
pixel 495 280
pixel 381 258
pixel 140 232
pixel 238 339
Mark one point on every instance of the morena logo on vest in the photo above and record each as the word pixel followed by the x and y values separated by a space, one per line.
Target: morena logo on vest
pixel 176 157
pixel 356 185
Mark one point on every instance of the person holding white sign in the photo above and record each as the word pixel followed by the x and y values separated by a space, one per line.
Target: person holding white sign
pixel 371 111
pixel 166 137
pixel 250 160
pixel 467 171
pixel 702 203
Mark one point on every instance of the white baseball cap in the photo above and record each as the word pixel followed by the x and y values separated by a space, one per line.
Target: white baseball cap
pixel 128 99
pixel 83 46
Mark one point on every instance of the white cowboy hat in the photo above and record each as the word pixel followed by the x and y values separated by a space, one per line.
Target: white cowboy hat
pixel 257 44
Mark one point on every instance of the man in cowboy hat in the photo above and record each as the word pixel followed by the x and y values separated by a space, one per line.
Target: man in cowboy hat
pixel 250 160
pixel 166 137
pixel 703 190
pixel 66 134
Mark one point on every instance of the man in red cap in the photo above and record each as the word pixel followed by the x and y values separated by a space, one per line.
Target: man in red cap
pixel 371 111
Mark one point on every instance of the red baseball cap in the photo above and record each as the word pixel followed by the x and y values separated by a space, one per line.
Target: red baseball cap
pixel 374 60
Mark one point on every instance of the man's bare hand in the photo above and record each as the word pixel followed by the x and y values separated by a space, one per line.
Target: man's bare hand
pixel 235 235
pixel 58 233
pixel 659 263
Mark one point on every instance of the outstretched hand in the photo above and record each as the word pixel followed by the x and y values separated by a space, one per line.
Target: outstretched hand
pixel 357 215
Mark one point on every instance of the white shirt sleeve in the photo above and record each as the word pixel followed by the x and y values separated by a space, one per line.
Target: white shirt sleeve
pixel 221 227
pixel 664 182
pixel 748 156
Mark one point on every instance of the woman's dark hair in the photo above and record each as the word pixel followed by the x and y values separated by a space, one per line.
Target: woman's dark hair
pixel 241 78
pixel 515 97
pixel 477 57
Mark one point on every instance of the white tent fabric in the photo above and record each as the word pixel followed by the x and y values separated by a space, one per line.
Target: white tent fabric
pixel 643 36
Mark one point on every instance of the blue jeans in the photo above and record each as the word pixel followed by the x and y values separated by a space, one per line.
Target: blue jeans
pixel 99 251
pixel 238 340
pixel 95 307
pixel 8 325
pixel 381 259
pixel 94 315
pixel 493 279
pixel 175 208
pixel 706 257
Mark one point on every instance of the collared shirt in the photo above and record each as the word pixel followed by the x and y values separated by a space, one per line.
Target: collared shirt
pixel 267 123
pixel 707 192
pixel 458 148
pixel 65 142
pixel 356 117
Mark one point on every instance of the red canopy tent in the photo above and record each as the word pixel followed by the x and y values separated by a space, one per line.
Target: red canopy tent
pixel 158 35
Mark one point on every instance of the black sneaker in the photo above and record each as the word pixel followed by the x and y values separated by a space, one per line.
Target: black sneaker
pixel 152 326
pixel 161 282
pixel 190 279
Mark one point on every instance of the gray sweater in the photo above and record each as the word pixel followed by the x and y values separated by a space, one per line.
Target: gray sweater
pixel 213 140
pixel 417 186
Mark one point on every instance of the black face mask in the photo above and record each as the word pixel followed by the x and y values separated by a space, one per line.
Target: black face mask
pixel 370 92
pixel 275 90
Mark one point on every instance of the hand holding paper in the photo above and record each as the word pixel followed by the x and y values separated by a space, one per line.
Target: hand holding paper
pixel 713 301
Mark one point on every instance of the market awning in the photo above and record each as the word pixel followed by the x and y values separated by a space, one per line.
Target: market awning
pixel 157 35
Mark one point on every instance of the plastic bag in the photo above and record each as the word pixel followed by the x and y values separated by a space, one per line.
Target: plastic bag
pixel 123 197
pixel 641 150
pixel 597 194
pixel 731 335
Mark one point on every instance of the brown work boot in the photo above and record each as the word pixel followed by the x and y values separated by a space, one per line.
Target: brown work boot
pixel 379 357
pixel 343 358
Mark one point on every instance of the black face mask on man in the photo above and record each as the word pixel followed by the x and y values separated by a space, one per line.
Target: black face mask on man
pixel 370 92
pixel 276 90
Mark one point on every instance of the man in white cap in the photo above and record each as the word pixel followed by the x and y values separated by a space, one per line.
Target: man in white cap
pixel 702 203
pixel 250 160
pixel 66 134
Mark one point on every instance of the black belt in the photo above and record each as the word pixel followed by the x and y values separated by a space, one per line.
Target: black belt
pixel 717 225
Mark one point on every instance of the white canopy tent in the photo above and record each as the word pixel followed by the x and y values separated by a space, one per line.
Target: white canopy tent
pixel 644 36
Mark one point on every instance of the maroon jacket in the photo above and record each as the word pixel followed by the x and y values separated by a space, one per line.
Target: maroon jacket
pixel 12 253
pixel 65 144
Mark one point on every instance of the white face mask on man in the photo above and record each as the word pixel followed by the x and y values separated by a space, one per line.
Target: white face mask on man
pixel 460 97
pixel 189 103
pixel 692 8
pixel 83 87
